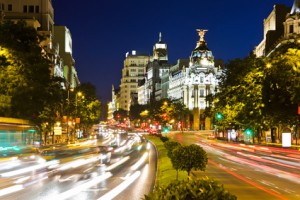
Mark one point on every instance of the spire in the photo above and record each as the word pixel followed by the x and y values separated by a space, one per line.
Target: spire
pixel 159 37
pixel 296 7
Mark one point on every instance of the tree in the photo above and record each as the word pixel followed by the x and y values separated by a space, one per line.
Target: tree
pixel 189 157
pixel 136 110
pixel 27 88
pixel 170 146
pixel 200 189
pixel 88 106
pixel 120 114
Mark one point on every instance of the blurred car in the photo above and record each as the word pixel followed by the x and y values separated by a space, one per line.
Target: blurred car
pixel 29 154
pixel 104 154
pixel 153 131
pixel 211 136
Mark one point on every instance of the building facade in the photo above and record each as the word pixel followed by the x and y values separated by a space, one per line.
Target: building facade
pixel 133 71
pixel 38 14
pixel 281 26
pixel 191 84
pixel 154 72
pixel 63 40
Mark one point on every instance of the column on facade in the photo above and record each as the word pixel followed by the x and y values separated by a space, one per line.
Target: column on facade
pixel 186 95
pixel 196 96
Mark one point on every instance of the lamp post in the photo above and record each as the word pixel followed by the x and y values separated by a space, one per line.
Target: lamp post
pixel 77 121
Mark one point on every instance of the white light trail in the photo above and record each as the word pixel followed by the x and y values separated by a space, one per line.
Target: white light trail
pixel 11 189
pixel 140 161
pixel 116 164
pixel 72 192
pixel 28 169
pixel 120 188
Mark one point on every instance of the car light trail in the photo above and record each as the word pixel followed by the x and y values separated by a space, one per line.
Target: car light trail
pixel 27 169
pixel 117 163
pixel 11 189
pixel 140 161
pixel 120 188
pixel 79 188
pixel 249 182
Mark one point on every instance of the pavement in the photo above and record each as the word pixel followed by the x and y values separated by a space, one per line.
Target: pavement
pixel 205 132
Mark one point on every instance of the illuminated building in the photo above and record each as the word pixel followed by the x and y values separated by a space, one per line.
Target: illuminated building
pixel 191 84
pixel 281 26
pixel 63 38
pixel 132 72
pixel 154 72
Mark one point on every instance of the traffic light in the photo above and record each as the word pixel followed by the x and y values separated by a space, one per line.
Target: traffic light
pixel 219 116
pixel 249 131
pixel 166 129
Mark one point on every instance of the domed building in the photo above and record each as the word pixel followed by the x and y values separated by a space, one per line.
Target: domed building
pixel 191 84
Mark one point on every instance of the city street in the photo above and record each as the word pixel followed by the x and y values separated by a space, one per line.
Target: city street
pixel 129 175
pixel 249 171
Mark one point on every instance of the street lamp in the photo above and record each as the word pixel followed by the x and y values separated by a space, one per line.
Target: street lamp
pixel 77 120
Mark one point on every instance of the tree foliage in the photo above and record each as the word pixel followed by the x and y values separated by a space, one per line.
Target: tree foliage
pixel 27 88
pixel 200 189
pixel 260 92
pixel 188 157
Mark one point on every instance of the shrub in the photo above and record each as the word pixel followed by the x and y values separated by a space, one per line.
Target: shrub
pixel 200 189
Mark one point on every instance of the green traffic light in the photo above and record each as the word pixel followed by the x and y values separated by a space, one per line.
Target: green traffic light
pixel 219 115
pixel 248 131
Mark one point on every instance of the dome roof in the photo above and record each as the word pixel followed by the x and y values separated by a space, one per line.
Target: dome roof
pixel 201 52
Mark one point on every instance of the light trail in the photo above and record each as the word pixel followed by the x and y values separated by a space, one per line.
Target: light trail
pixel 271 192
pixel 11 189
pixel 28 169
pixel 140 161
pixel 116 164
pixel 120 188
pixel 72 192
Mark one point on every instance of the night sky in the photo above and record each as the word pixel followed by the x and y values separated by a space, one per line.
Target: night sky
pixel 104 30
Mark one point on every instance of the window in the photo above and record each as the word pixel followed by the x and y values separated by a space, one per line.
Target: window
pixel 31 9
pixel 2 6
pixel 9 7
pixel 201 93
pixel 201 79
pixel 37 9
pixel 291 29
pixel 25 9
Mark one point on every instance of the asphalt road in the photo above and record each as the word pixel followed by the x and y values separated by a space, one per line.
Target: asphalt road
pixel 132 178
pixel 249 171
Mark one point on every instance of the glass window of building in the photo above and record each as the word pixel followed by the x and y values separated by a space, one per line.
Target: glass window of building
pixel 25 9
pixel 9 7
pixel 201 79
pixel 31 9
pixel 201 93
pixel 37 9
pixel 291 29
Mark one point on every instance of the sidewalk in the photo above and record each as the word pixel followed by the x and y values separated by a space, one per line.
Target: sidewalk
pixel 204 133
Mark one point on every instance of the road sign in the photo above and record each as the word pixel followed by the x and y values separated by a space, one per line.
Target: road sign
pixel 57 130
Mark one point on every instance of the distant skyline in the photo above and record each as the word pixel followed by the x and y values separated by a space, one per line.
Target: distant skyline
pixel 103 31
